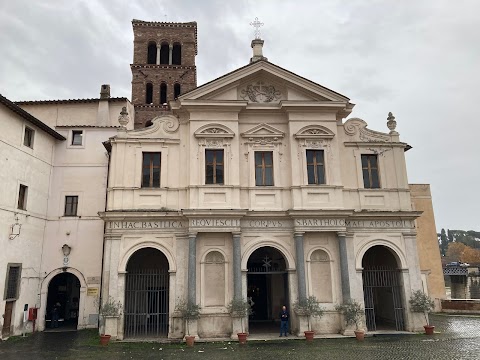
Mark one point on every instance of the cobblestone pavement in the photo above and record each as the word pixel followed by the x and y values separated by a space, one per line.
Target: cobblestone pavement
pixel 458 338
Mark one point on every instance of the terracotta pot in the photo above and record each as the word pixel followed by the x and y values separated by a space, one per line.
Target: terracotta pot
pixel 105 339
pixel 359 334
pixel 309 335
pixel 429 329
pixel 242 338
pixel 190 340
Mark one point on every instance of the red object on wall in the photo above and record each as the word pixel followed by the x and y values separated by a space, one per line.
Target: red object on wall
pixel 32 314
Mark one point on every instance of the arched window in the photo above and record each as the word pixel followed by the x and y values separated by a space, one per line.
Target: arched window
pixel 149 93
pixel 152 53
pixel 163 93
pixel 164 50
pixel 177 54
pixel 176 90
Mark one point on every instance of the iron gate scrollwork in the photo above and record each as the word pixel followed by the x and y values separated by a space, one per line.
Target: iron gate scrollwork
pixel 146 303
pixel 387 279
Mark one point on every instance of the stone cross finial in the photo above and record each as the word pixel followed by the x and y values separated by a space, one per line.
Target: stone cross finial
pixel 256 24
pixel 124 119
pixel 391 123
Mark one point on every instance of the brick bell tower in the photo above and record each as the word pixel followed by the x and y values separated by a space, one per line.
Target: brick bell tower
pixel 163 65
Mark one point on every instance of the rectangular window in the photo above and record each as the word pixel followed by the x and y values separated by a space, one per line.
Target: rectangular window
pixel 214 167
pixel 371 179
pixel 315 167
pixel 28 137
pixel 151 169
pixel 22 197
pixel 13 282
pixel 77 137
pixel 263 168
pixel 71 205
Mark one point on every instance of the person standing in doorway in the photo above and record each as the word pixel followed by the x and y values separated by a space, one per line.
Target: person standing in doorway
pixel 284 321
pixel 55 315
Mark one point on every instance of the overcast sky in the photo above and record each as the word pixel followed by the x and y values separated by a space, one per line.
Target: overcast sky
pixel 419 59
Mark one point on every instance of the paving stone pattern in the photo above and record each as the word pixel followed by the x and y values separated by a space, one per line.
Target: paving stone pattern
pixel 459 338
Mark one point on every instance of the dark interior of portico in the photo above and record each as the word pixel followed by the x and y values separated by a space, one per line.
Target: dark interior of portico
pixel 62 303
pixel 267 289
pixel 382 288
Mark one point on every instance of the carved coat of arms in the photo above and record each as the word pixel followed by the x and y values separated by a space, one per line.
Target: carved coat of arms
pixel 260 93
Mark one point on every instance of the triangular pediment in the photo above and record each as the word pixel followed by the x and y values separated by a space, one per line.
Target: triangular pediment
pixel 263 131
pixel 263 83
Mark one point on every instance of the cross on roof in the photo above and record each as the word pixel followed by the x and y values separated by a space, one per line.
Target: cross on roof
pixel 256 24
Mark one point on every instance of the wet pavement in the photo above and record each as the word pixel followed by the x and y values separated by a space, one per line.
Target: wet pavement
pixel 458 337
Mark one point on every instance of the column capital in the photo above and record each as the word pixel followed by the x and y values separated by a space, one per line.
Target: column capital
pixel 341 233
pixel 170 46
pixel 236 233
pixel 298 233
pixel 192 234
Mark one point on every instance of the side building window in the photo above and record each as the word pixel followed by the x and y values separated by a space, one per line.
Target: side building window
pixel 214 167
pixel 315 167
pixel 176 90
pixel 177 54
pixel 263 168
pixel 12 283
pixel 71 205
pixel 28 137
pixel 152 53
pixel 163 93
pixel 371 180
pixel 22 197
pixel 151 169
pixel 77 137
pixel 149 93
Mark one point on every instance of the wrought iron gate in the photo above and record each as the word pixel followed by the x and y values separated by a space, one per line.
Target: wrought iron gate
pixel 146 303
pixel 388 279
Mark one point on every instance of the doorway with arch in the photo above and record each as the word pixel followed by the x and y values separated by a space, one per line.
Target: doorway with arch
pixel 382 290
pixel 63 299
pixel 146 311
pixel 267 288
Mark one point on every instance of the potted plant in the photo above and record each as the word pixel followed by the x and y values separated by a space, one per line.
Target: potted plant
pixel 240 308
pixel 422 303
pixel 310 307
pixel 188 312
pixel 353 312
pixel 109 311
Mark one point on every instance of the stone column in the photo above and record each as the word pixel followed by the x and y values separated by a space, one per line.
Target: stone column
pixel 344 275
pixel 237 267
pixel 192 269
pixel 170 49
pixel 158 55
pixel 302 288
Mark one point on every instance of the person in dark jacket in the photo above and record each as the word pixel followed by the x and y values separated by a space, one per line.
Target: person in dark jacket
pixel 284 316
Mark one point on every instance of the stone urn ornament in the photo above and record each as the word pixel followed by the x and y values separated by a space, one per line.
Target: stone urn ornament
pixel 391 123
pixel 124 119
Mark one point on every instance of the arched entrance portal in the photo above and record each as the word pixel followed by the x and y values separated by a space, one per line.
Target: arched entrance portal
pixel 382 290
pixel 63 301
pixel 146 294
pixel 267 288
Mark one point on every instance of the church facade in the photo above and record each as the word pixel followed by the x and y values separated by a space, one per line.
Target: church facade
pixel 256 185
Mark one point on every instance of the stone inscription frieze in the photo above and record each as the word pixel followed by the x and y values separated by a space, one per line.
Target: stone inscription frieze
pixel 312 224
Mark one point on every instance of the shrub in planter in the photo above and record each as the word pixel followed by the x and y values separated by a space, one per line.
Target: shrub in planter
pixel 240 308
pixel 109 312
pixel 422 303
pixel 353 312
pixel 188 312
pixel 310 307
